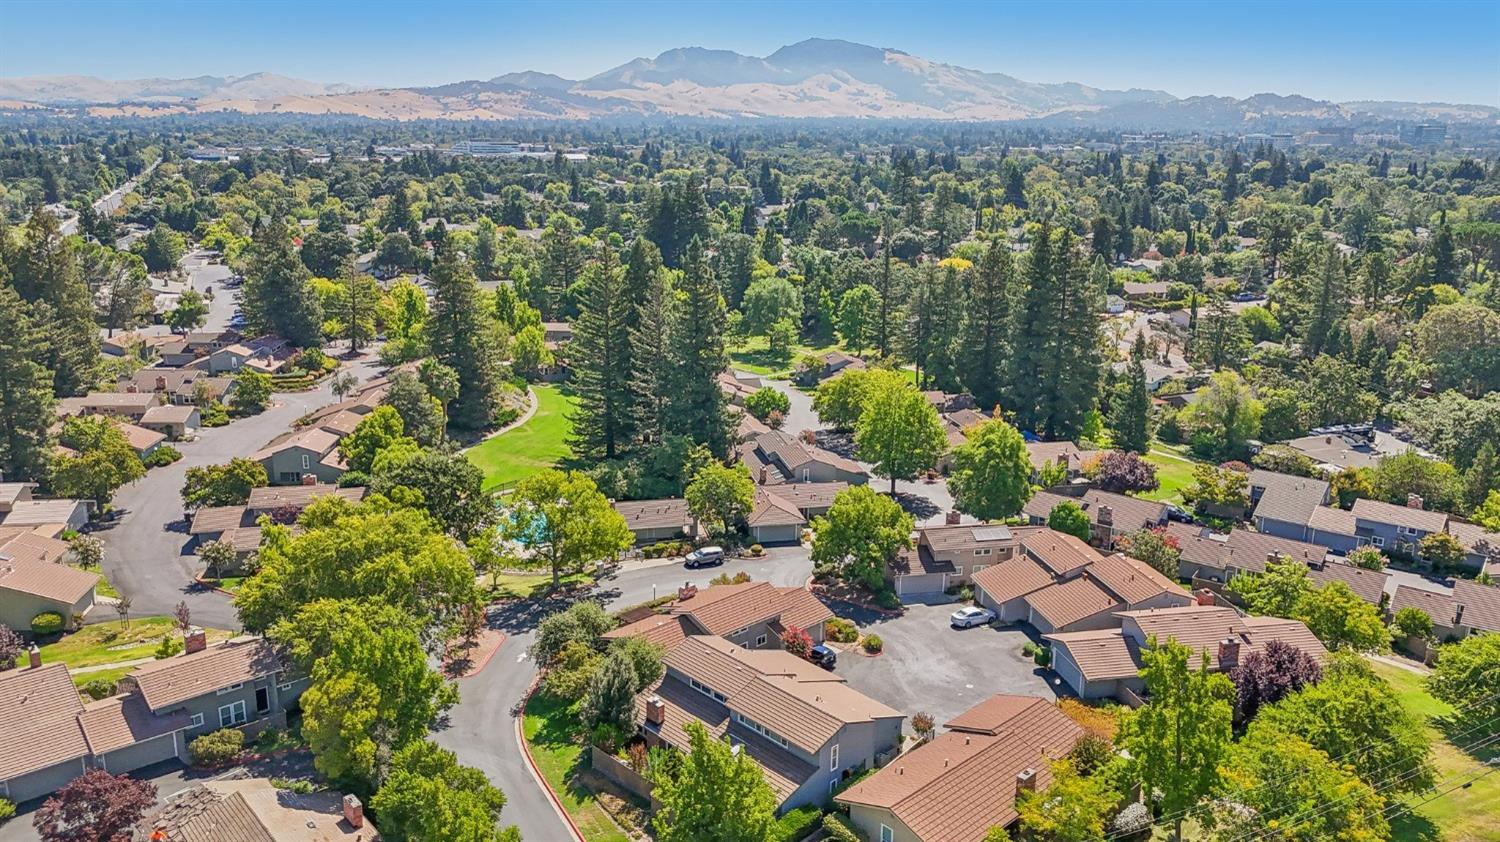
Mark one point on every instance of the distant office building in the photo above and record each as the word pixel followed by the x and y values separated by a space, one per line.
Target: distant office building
pixel 1427 133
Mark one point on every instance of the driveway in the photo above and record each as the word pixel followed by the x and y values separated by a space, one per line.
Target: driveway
pixel 929 666
pixel 481 728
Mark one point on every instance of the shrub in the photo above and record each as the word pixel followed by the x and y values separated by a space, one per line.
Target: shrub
pixel 213 415
pixel 1102 721
pixel 45 623
pixel 220 746
pixel 164 455
pixel 757 549
pixel 839 829
pixel 796 824
pixel 1091 752
pixel 1413 622
pixel 840 630
pixel 99 688
pixel 11 647
pixel 739 578
pixel 888 599
pixel 872 643
pixel 170 645
pixel 1042 656
pixel 796 641
pixel 7 809
pixel 1029 649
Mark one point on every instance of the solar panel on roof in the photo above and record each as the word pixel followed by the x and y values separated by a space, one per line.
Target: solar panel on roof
pixel 991 533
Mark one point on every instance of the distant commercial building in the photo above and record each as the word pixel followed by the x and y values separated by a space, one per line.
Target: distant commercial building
pixel 1427 133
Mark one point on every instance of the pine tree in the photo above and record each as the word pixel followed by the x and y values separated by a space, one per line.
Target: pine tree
pixel 984 332
pixel 25 391
pixel 650 344
pixel 601 360
pixel 562 264
pixel 1328 309
pixel 277 298
pixel 462 337
pixel 694 399
pixel 886 288
pixel 1055 371
pixel 1130 411
pixel 45 274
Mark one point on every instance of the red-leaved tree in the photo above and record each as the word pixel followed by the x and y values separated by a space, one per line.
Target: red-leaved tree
pixel 1270 675
pixel 94 807
pixel 1122 471
pixel 796 641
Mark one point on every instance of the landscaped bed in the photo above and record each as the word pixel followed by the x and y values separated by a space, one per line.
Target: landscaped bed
pixel 536 445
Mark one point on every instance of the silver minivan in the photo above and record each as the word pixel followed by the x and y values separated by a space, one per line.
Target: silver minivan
pixel 705 557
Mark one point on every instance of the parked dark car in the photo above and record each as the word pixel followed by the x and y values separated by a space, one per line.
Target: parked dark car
pixel 1179 514
pixel 823 656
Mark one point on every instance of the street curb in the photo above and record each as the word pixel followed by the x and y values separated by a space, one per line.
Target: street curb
pixel 202 582
pixel 536 774
pixel 478 668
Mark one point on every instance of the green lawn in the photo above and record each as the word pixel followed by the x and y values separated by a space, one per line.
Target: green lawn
pixel 550 728
pixel 108 643
pixel 1464 815
pixel 529 585
pixel 104 588
pixel 754 355
pixel 1174 470
pixel 536 445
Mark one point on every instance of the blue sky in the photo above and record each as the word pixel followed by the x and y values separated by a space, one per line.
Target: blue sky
pixel 1440 50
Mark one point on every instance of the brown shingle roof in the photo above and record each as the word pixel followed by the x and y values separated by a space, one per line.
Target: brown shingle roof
pixel 801 609
pixel 771 510
pixel 120 721
pixel 1368 585
pixel 1438 606
pixel 39 727
pixel 1380 511
pixel 721 609
pixel 918 561
pixel 218 820
pixel 268 498
pixel 1249 550
pixel 1132 580
pixel 963 783
pixel 660 629
pixel 32 546
pixel 46 579
pixel 670 513
pixel 1101 655
pixel 1481 604
pixel 217 519
pixel 1286 497
pixel 1127 513
pixel 1332 520
pixel 1071 601
pixel 1059 552
pixel 1012 578
pixel 808 495
pixel 175 680
pixel 169 414
pixel 315 439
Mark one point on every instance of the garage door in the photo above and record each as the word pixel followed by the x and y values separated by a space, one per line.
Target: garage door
pixel 921 585
pixel 1066 669
pixel 140 754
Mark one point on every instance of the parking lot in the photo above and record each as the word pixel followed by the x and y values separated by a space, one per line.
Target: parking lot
pixel 930 667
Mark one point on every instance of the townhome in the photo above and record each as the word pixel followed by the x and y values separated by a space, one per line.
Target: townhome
pixel 1395 529
pixel 1059 583
pixel 1207 556
pixel 239 682
pixel 128 405
pixel 967 779
pixel 1284 504
pixel 777 457
pixel 738 387
pixel 656 520
pixel 19 510
pixel 32 584
pixel 265 355
pixel 782 512
pixel 1111 515
pixel 44 745
pixel 1472 608
pixel 175 421
pixel 1065 453
pixel 229 809
pixel 180 387
pixel 273 499
pixel 1107 663
pixel 752 615
pixel 948 556
pixel 805 728
pixel 828 365
pixel 143 440
pixel 292 456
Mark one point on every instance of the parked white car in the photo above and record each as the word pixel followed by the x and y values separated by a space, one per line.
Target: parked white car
pixel 970 616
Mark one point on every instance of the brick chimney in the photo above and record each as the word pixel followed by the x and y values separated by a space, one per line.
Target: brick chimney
pixel 952 517
pixel 161 383
pixel 1415 501
pixel 354 811
pixel 34 657
pixel 656 710
pixel 1229 652
pixel 1026 780
pixel 687 591
pixel 764 474
pixel 309 479
pixel 1106 515
pixel 1204 596
pixel 130 389
pixel 194 641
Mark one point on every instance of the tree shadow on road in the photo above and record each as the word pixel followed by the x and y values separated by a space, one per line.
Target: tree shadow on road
pixel 917 506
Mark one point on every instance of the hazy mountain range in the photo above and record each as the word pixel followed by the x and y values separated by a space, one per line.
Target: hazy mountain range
pixel 813 78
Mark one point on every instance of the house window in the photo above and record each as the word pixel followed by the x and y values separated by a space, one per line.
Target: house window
pixel 285 688
pixel 807 475
pixel 760 641
pixel 833 758
pixel 306 462
pixel 196 721
pixel 230 689
pixel 978 567
pixel 958 570
pixel 1377 540
pixel 232 714
pixel 263 700
pixel 886 834
pixel 985 551
pixel 833 785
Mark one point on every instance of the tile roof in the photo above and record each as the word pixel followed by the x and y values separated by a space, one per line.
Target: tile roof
pixel 772 510
pixel 1059 552
pixel 720 609
pixel 1331 520
pixel 217 519
pixel 119 721
pixel 670 513
pixel 801 609
pixel 169 414
pixel 665 631
pixel 314 439
pixel 1127 513
pixel 1132 580
pixel 1368 585
pixel 808 495
pixel 175 680
pixel 1437 606
pixel 40 725
pixel 1101 655
pixel 963 782
pixel 28 545
pixel 1071 601
pixel 39 512
pixel 1380 511
pixel 218 819
pixel 1015 577
pixel 1481 604
pixel 46 579
pixel 1287 498
pixel 272 497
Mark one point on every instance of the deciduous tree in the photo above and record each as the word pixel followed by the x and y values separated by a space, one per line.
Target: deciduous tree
pixel 899 432
pixel 720 795
pixel 428 797
pixel 720 496
pixel 991 471
pixel 94 807
pixel 861 533
pixel 567 520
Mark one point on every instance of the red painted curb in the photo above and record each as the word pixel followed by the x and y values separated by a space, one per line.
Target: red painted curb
pixel 541 779
pixel 202 582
